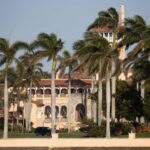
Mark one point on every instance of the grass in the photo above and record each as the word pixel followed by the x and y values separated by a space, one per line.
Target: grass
pixel 72 135
pixel 66 135
pixel 143 135
pixel 22 135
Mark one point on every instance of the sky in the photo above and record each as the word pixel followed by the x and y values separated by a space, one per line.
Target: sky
pixel 68 19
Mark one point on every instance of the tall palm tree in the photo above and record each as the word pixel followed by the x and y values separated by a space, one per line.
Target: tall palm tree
pixel 31 72
pixel 93 49
pixel 51 46
pixel 68 61
pixel 7 54
pixel 109 19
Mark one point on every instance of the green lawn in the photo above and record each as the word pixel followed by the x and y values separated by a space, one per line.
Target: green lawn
pixel 22 135
pixel 65 135
pixel 72 135
pixel 143 135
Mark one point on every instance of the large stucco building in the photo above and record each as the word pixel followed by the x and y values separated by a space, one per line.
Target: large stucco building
pixel 81 104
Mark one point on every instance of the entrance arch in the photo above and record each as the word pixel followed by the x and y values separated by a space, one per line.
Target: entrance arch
pixel 80 112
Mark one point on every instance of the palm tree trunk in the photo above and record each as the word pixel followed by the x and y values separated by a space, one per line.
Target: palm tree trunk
pixel 99 100
pixel 142 119
pixel 5 135
pixel 69 104
pixel 53 96
pixel 26 115
pixel 113 83
pixel 93 103
pixel 113 69
pixel 30 106
pixel 26 110
pixel 108 98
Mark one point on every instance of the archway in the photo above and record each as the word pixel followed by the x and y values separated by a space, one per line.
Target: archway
pixel 63 112
pixel 80 112
pixel 47 112
pixel 56 111
pixel 47 91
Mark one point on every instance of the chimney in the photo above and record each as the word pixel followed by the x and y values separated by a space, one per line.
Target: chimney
pixel 122 16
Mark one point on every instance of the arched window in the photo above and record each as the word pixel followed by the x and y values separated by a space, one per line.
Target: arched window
pixel 56 111
pixel 80 112
pixel 39 91
pixel 80 90
pixel 47 112
pixel 73 91
pixel 64 92
pixel 33 91
pixel 57 91
pixel 47 91
pixel 63 112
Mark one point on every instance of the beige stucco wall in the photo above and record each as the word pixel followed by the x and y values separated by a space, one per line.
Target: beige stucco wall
pixel 37 116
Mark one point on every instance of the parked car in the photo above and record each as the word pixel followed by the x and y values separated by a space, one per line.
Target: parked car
pixel 42 131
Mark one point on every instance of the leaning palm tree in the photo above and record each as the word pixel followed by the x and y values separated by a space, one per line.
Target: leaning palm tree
pixel 131 35
pixel 68 61
pixel 51 46
pixel 109 19
pixel 93 50
pixel 7 54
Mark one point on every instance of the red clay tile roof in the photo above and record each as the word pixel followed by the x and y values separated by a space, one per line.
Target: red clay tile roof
pixel 64 82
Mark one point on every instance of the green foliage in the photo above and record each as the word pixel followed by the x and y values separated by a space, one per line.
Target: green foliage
pixel 93 130
pixel 147 103
pixel 120 128
pixel 16 128
pixel 141 70
pixel 128 102
pixel 1 123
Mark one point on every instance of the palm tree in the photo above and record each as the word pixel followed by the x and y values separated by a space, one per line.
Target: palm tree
pixel 68 61
pixel 131 34
pixel 51 45
pixel 31 72
pixel 93 50
pixel 109 19
pixel 7 54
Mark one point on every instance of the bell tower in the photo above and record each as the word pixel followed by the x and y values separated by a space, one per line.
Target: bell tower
pixel 122 54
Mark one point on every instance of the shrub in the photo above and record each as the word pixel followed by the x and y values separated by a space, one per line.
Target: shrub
pixel 120 128
pixel 1 123
pixel 93 130
pixel 16 128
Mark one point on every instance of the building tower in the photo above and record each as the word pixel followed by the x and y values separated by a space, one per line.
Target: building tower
pixel 122 54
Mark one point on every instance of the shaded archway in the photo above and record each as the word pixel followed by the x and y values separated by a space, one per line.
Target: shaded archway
pixel 33 91
pixel 80 112
pixel 56 111
pixel 57 92
pixel 47 92
pixel 73 91
pixel 80 90
pixel 39 91
pixel 63 112
pixel 47 112
pixel 64 92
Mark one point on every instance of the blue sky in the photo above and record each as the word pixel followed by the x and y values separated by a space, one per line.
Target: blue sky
pixel 24 19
